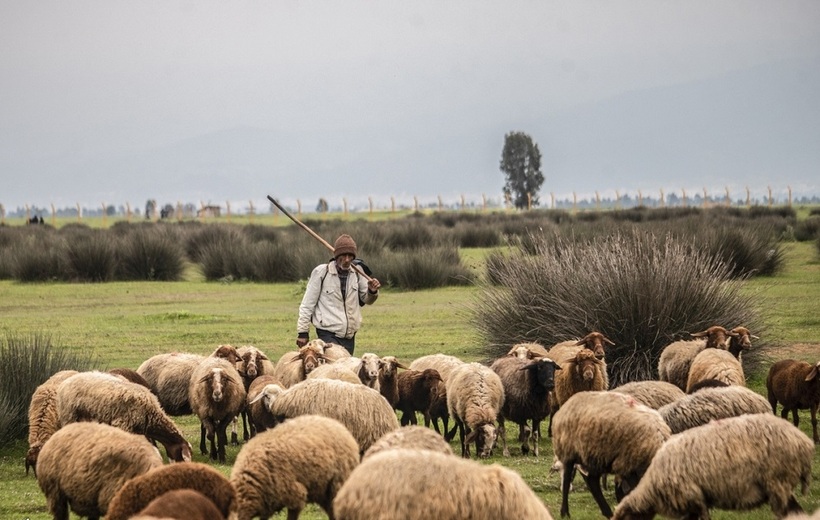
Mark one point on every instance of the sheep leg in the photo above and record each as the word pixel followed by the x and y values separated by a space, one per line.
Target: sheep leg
pixel 202 448
pixel 452 433
pixel 293 514
pixel 535 436
pixel 502 434
pixel 524 434
pixel 221 439
pixel 593 481
pixel 58 506
pixel 566 482
pixel 814 422
pixel 405 417
pixel 245 433
pixel 234 436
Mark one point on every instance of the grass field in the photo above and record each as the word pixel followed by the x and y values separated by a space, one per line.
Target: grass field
pixel 125 323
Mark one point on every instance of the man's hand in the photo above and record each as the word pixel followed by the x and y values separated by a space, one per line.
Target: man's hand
pixel 301 342
pixel 373 285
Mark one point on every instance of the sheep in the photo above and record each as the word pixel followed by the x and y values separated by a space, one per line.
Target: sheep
pixel 334 352
pixel 443 363
pixel 707 383
pixel 605 432
pixel 526 388
pixel 180 504
pixel 130 375
pixel 796 385
pixel 583 372
pixel 738 463
pixel 43 420
pixel 217 395
pixel 168 376
pixel 362 410
pixel 416 393
pixel 528 351
pixel 258 413
pixel 138 492
pixel 366 367
pixel 305 459
pixel 740 340
pixel 653 394
pixel 335 371
pixel 109 399
pixel 710 404
pixel 718 364
pixel 252 364
pixel 424 484
pixel 475 395
pixel 677 357
pixel 593 341
pixel 84 464
pixel 294 366
pixel 388 379
pixel 410 437
pixel 438 409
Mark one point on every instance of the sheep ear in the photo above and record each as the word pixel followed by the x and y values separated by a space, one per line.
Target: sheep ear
pixel 608 341
pixel 753 336
pixel 258 397
pixel 471 436
pixel 557 366
pixel 581 342
pixel 204 378
pixel 527 366
pixel 813 374
pixel 700 334
pixel 295 359
pixel 399 365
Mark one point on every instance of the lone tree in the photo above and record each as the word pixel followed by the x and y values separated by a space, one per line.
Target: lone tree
pixel 521 163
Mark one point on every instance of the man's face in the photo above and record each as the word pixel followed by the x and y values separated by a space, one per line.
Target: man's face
pixel 343 261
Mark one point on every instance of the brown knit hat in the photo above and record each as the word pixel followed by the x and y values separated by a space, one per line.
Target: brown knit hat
pixel 344 246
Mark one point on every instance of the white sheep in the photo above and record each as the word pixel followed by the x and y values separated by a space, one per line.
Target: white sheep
pixel 738 463
pixel 528 351
pixel 168 376
pixel 84 464
pixel 294 366
pixel 653 394
pixel 716 364
pixel 217 395
pixel 475 395
pixel 605 432
pixel 366 367
pixel 304 460
pixel 410 437
pixel 335 371
pixel 709 404
pixel 43 420
pixel 110 399
pixel 334 352
pixel 424 484
pixel 677 357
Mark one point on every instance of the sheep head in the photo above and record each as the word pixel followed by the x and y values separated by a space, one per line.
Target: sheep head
pixel 369 370
pixel 716 337
pixel 595 341
pixel 586 363
pixel 812 375
pixel 311 356
pixel 389 365
pixel 743 338
pixel 543 371
pixel 484 435
pixel 227 352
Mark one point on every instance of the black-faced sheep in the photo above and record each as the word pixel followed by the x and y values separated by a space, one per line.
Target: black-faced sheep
pixel 410 437
pixel 43 419
pixel 582 373
pixel 110 399
pixel 475 395
pixel 294 366
pixel 526 388
pixel 796 385
pixel 605 432
pixel 180 504
pixel 738 463
pixel 217 395
pixel 423 484
pixel 303 460
pixel 258 413
pixel 677 357
pixel 718 364
pixel 138 492
pixel 653 394
pixel 417 390
pixel 84 464
pixel 710 404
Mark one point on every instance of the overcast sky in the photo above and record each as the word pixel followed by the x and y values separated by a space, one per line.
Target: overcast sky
pixel 120 101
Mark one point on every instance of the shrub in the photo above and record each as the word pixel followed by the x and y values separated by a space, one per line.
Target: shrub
pixel 807 229
pixel 149 253
pixel 641 291
pixel 476 235
pixel 425 268
pixel 90 257
pixel 36 257
pixel 25 363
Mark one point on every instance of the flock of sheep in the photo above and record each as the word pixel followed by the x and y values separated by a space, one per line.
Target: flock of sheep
pixel 323 427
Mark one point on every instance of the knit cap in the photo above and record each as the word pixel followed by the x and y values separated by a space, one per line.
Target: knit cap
pixel 344 246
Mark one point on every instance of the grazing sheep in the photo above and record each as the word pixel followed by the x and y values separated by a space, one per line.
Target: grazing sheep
pixel 528 351
pixel 168 376
pixel 84 464
pixel 416 391
pixel 443 363
pixel 130 375
pixel 410 437
pixel 180 504
pixel 605 432
pixel 43 420
pixel 710 404
pixel 526 388
pixel 138 492
pixel 258 412
pixel 475 395
pixel 294 366
pixel 796 385
pixel 653 394
pixel 366 367
pixel 718 364
pixel 362 410
pixel 738 463
pixel 581 373
pixel 303 460
pixel 707 383
pixel 388 379
pixel 424 484
pixel 335 371
pixel 677 357
pixel 109 399
pixel 217 395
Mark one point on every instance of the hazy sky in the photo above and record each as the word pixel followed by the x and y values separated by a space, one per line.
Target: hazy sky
pixel 120 101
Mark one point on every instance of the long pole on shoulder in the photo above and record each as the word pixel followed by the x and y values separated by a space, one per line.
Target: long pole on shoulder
pixel 313 234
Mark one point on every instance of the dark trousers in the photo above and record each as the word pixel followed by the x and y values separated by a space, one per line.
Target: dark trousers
pixel 329 337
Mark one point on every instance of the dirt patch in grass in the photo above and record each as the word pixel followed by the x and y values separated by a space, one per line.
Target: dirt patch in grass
pixel 804 351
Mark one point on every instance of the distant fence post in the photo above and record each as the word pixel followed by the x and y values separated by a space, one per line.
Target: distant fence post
pixel 483 203
pixel 415 203
pixel 705 198
pixel 28 214
pixel 179 211
pixel 728 198
pixel 552 200
pixel 462 202
pixel 597 201
pixel 684 197
pixel 663 199
pixel 748 198
pixel 250 211
pixel 617 199
pixel 228 210
pixel 370 204
pixel 392 204
pixel 790 196
pixel 440 205
pixel 344 203
pixel 105 217
pixel 79 213
pixel 640 198
pixel 529 201
pixel 574 202
pixel 770 196
pixel 299 208
pixel 53 215
pixel 128 212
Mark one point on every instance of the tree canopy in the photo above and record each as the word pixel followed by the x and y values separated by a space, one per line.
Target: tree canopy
pixel 521 163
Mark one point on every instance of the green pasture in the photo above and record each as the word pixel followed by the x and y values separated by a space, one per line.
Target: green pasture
pixel 122 324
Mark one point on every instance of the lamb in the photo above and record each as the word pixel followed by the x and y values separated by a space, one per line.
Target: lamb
pixel 653 394
pixel 305 459
pixel 362 410
pixel 475 395
pixel 335 371
pixel 72 474
pixel 796 385
pixel 410 437
pixel 258 412
pixel 677 357
pixel 388 379
pixel 584 372
pixel 526 388
pixel 217 395
pixel 137 493
pixel 416 392
pixel 710 404
pixel 168 376
pixel 605 432
pixel 366 367
pixel 717 364
pixel 42 416
pixel 295 366
pixel 180 504
pixel 424 484
pixel 726 464
pixel 443 363
pixel 109 399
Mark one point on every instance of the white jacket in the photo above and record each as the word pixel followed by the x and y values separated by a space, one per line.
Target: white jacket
pixel 322 303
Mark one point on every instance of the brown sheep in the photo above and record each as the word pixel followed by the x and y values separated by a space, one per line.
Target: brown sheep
pixel 584 372
pixel 388 379
pixel 259 415
pixel 181 504
pixel 42 416
pixel 416 389
pixel 796 385
pixel 677 357
pixel 718 364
